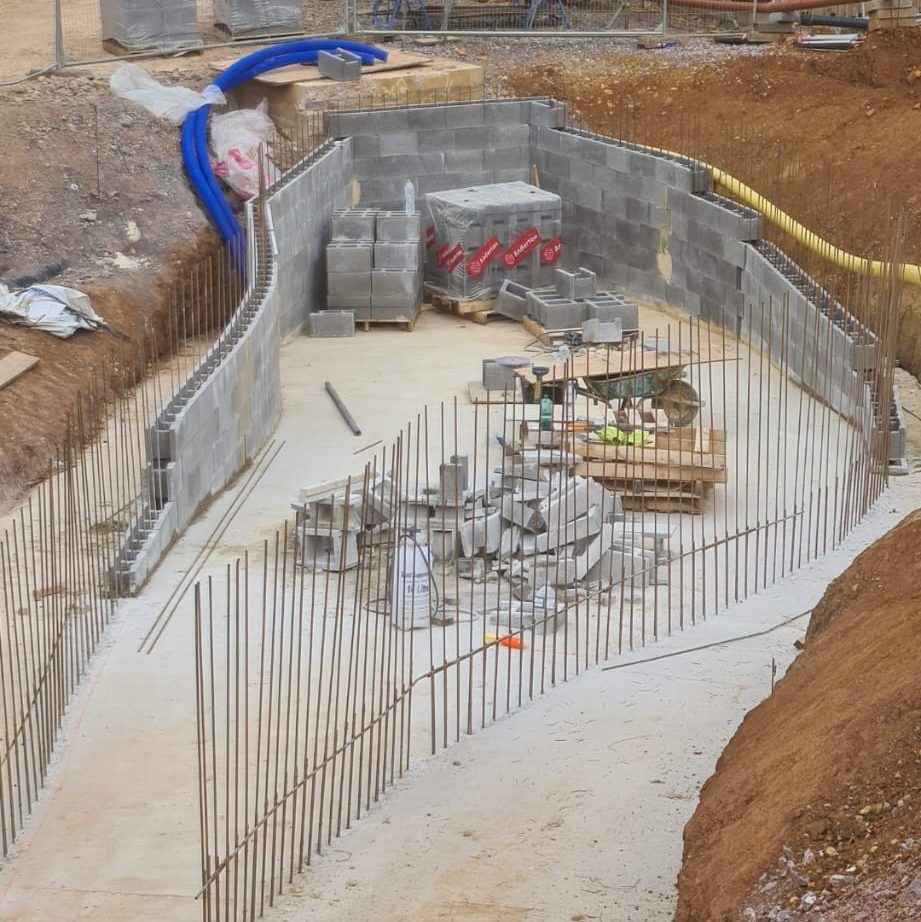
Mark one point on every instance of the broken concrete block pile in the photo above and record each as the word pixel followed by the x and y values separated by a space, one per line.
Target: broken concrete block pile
pixel 574 303
pixel 374 265
pixel 479 237
pixel 549 535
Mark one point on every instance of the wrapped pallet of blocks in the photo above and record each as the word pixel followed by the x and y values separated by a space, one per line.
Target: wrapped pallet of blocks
pixel 242 18
pixel 479 237
pixel 149 25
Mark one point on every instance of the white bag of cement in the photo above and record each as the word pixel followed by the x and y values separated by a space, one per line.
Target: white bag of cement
pixel 52 308
pixel 173 103
pixel 236 138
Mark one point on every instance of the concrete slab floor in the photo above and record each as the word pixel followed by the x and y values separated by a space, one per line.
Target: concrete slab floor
pixel 115 834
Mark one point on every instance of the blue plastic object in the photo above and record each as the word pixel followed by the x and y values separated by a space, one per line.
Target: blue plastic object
pixel 390 20
pixel 194 138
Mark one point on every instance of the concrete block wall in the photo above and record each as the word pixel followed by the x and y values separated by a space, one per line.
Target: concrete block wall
pixel 437 147
pixel 230 407
pixel 301 216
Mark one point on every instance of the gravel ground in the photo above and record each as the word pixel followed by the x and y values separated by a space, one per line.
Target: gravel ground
pixel 502 56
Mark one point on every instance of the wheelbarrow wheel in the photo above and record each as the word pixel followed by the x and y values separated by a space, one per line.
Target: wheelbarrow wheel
pixel 679 402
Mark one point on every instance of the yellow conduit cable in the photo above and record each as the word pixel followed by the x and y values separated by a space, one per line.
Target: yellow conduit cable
pixel 812 241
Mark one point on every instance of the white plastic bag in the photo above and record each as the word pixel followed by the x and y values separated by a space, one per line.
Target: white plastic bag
pixel 236 138
pixel 173 103
pixel 52 308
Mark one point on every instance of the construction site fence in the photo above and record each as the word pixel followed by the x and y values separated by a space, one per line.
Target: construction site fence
pixel 64 548
pixel 53 34
pixel 314 696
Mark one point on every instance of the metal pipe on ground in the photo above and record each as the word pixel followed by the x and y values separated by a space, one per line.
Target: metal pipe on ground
pixel 343 409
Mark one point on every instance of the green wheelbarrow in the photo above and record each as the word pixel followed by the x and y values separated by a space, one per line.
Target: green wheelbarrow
pixel 664 389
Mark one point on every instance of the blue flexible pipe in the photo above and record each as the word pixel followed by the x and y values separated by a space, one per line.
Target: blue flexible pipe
pixel 194 138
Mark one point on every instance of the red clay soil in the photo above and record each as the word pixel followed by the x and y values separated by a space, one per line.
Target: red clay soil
pixel 95 182
pixel 831 137
pixel 815 805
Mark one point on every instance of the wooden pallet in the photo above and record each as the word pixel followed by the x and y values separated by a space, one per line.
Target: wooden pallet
pixel 366 324
pixel 479 310
pixel 663 501
pixel 545 336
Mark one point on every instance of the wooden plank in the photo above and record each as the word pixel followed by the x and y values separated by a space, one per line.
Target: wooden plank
pixel 649 502
pixel 296 73
pixel 13 365
pixel 666 458
pixel 629 470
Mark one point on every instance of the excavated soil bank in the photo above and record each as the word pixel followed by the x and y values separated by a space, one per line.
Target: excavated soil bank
pixel 831 137
pixel 816 801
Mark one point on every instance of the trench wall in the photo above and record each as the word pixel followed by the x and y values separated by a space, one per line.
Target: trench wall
pixel 646 222
pixel 225 413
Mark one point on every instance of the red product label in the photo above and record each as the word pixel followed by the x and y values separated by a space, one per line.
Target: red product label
pixel 454 258
pixel 550 251
pixel 430 236
pixel 521 247
pixel 477 263
pixel 441 253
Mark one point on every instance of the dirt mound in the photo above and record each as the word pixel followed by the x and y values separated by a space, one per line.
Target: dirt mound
pixel 97 183
pixel 829 137
pixel 816 801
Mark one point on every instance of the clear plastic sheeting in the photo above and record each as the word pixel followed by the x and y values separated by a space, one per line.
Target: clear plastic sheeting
pixel 52 308
pixel 243 17
pixel 148 25
pixel 236 138
pixel 172 103
pixel 479 237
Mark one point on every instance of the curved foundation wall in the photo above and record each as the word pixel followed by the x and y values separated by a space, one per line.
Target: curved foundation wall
pixel 644 221
pixel 224 414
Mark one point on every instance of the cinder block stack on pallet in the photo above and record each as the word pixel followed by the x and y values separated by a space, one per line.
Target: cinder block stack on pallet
pixel 374 266
pixel 481 236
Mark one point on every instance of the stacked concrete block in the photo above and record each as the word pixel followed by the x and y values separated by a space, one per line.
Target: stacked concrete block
pixel 479 237
pixel 339 65
pixel 374 264
pixel 331 324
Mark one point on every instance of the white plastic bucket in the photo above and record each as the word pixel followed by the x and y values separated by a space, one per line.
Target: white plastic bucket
pixel 411 585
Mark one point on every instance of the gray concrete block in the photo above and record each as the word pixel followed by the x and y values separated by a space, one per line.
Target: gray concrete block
pixel 511 300
pixel 461 161
pixel 506 158
pixel 576 285
pixel 399 143
pixel 465 115
pixel 348 289
pixel 398 288
pixel 353 224
pixel 397 227
pixel 598 331
pixel 339 65
pixel 610 308
pixel 331 324
pixel 388 255
pixel 343 256
pixel 547 113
